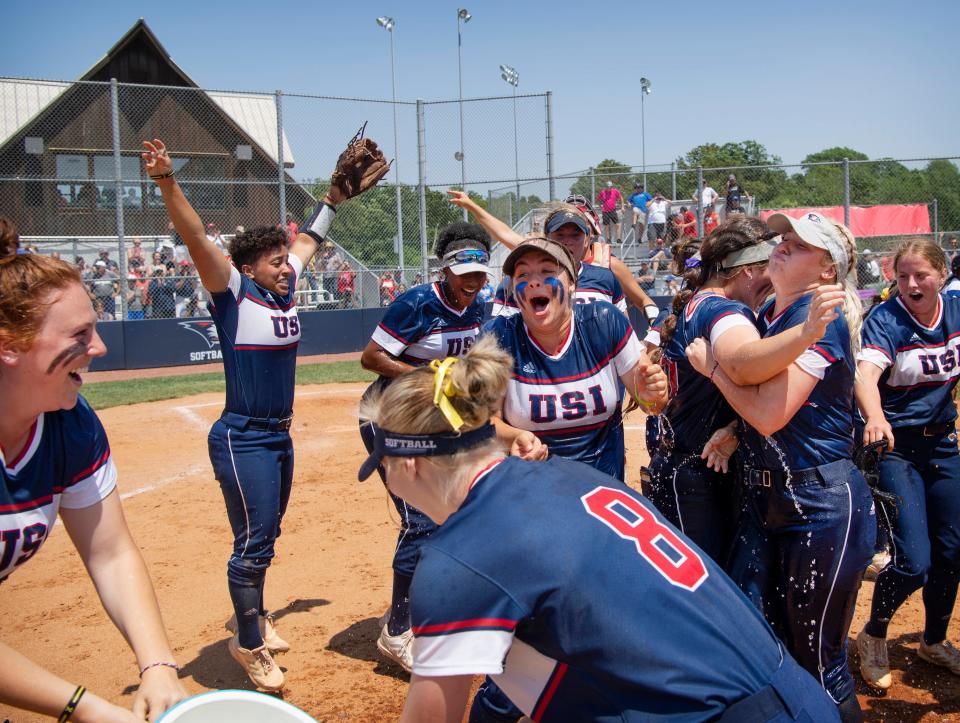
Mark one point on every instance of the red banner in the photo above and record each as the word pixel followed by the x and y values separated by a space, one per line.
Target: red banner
pixel 891 220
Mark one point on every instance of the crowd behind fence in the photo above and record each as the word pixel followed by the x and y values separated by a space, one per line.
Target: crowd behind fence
pixel 72 179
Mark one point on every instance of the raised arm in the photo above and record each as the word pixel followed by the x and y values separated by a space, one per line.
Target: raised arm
pixel 212 266
pixel 499 230
pixel 359 168
pixel 103 541
pixel 748 359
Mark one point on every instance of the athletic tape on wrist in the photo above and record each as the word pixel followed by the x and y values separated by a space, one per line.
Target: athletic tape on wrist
pixel 652 311
pixel 319 224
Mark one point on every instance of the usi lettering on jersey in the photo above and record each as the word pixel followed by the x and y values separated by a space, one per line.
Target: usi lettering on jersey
pixel 594 283
pixel 571 399
pixel 66 463
pixel 920 363
pixel 259 334
pixel 420 326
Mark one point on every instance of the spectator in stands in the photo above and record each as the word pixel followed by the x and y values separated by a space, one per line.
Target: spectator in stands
pixel 610 200
pixel 639 200
pixel 388 289
pixel 951 249
pixel 708 197
pixel 710 220
pixel 646 277
pixel 734 193
pixel 688 222
pixel 9 238
pixel 184 299
pixel 660 252
pixel 329 266
pixel 418 279
pixel 111 264
pixel 657 208
pixel 137 252
pixel 673 285
pixel 868 269
pixel 215 237
pixel 80 263
pixel 136 297
pixel 161 289
pixel 101 313
pixel 952 285
pixel 345 285
pixel 55 255
pixel 103 284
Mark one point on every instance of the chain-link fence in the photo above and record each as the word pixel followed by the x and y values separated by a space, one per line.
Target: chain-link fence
pixel 72 179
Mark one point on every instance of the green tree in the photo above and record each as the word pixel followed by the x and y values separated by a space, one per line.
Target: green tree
pixel 764 184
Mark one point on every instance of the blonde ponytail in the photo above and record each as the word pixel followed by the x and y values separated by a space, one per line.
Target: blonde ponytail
pixel 852 305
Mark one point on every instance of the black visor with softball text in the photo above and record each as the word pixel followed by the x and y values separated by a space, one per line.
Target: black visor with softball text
pixel 393 444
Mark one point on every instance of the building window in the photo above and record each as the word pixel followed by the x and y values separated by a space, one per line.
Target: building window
pixel 131 179
pixel 72 171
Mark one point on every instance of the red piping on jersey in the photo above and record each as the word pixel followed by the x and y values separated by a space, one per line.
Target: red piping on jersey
pixel 934 383
pixel 558 673
pixel 937 318
pixel 502 623
pixel 460 312
pixel 942 345
pixel 571 430
pixel 696 301
pixel 563 347
pixel 724 315
pixel 29 505
pixel 823 352
pixel 879 349
pixel 444 331
pixel 267 305
pixel 394 335
pixel 89 470
pixel 485 471
pixel 583 375
pixel 264 347
pixel 26 447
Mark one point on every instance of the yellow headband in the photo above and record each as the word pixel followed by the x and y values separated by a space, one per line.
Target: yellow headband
pixel 444 391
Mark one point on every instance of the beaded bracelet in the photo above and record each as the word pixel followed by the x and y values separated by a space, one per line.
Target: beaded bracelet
pixel 714 370
pixel 159 663
pixel 71 704
pixel 161 176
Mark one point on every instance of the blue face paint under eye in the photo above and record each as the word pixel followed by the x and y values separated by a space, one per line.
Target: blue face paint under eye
pixel 558 291
pixel 521 290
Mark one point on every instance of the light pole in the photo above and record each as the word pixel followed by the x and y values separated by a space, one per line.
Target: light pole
pixel 462 15
pixel 389 24
pixel 644 91
pixel 513 78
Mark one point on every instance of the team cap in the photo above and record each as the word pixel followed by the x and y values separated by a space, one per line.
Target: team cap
pixel 394 444
pixel 817 231
pixel 562 219
pixel 537 243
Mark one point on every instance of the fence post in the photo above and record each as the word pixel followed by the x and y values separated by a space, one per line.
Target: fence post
pixel 422 174
pixel 936 220
pixel 699 201
pixel 673 181
pixel 846 192
pixel 553 190
pixel 282 195
pixel 118 193
pixel 593 185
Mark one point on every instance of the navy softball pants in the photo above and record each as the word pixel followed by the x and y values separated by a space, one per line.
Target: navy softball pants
pixel 415 526
pixel 255 471
pixel 695 499
pixel 924 473
pixel 799 554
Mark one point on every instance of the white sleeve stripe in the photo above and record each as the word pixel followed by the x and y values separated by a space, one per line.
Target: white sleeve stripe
pixel 629 356
pixel 725 324
pixel 233 286
pixel 388 342
pixel 90 490
pixel 874 356
pixel 460 653
pixel 813 363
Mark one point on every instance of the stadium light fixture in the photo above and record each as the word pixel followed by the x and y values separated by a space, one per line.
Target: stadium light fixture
pixel 511 76
pixel 463 16
pixel 389 24
pixel 645 85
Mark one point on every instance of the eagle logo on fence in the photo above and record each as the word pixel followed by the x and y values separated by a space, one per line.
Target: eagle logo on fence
pixel 206 329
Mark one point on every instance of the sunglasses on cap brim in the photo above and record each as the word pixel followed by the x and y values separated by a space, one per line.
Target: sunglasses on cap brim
pixel 466 256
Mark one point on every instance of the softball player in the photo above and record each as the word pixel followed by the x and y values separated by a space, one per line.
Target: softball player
pixel 569 360
pixel 690 480
pixel 250 448
pixel 600 275
pixel 428 322
pixel 809 527
pixel 561 581
pixel 908 368
pixel 55 458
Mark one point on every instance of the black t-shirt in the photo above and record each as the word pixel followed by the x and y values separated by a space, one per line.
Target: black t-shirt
pixel 733 195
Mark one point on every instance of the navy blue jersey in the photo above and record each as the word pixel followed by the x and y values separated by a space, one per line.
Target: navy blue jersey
pixel 920 363
pixel 822 429
pixel 571 399
pixel 259 334
pixel 583 603
pixel 697 408
pixel 420 326
pixel 594 283
pixel 65 463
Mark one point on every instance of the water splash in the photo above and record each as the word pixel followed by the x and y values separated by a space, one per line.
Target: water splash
pixel 787 476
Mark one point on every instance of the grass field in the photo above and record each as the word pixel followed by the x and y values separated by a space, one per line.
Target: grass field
pixel 102 395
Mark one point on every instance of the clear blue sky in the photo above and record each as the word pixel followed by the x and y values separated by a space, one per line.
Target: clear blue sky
pixel 880 77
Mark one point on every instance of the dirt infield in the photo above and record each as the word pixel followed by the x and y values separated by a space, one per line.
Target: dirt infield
pixel 328 585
